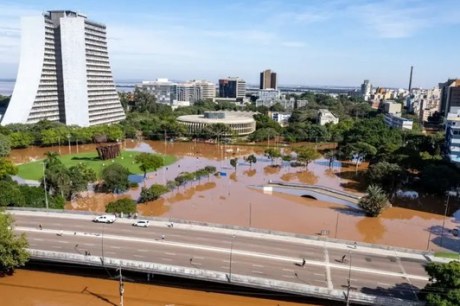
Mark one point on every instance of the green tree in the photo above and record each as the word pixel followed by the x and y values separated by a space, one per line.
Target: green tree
pixel 13 249
pixel 81 176
pixel 306 154
pixel 21 139
pixel 7 168
pixel 115 178
pixel 5 145
pixel 234 162
pixel 386 175
pixel 152 193
pixel 374 202
pixel 444 286
pixel 251 159
pixel 272 154
pixel 126 206
pixel 149 161
pixel 11 194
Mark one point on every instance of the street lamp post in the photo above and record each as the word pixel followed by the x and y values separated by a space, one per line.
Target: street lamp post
pixel 250 214
pixel 44 184
pixel 68 138
pixel 449 193
pixel 231 255
pixel 349 282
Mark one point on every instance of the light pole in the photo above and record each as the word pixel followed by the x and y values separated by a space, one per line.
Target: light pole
pixel 122 287
pixel 349 282
pixel 250 214
pixel 449 193
pixel 68 138
pixel 102 244
pixel 44 184
pixel 231 255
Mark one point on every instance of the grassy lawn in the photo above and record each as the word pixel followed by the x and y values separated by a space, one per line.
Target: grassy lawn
pixel 34 170
pixel 447 255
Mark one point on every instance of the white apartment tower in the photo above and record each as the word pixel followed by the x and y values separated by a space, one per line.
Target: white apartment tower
pixel 64 73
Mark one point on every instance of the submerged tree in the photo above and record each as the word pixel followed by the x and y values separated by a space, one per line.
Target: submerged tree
pixel 374 202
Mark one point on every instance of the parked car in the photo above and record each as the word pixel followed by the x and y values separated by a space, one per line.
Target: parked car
pixel 105 219
pixel 455 232
pixel 141 223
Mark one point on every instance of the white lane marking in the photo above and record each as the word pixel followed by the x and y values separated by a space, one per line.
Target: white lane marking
pixel 288 276
pixel 170 253
pixel 384 284
pixel 328 269
pixel 37 239
pixel 142 250
pixel 257 272
pixel 196 264
pixel 318 274
pixel 235 252
pixel 114 247
pixel 258 266
pixel 198 257
pixel 138 256
pixel 57 246
pixel 88 244
pixel 288 270
pixel 64 242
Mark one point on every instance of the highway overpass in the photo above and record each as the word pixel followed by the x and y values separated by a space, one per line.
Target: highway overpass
pixel 281 262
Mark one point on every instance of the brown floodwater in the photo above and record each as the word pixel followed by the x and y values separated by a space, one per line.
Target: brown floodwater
pixel 27 288
pixel 230 199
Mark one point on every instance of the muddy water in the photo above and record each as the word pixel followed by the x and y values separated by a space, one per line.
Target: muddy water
pixel 27 288
pixel 230 199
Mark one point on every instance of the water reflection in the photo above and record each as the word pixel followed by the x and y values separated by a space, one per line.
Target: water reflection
pixel 225 199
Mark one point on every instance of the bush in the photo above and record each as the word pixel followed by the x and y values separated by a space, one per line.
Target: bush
pixel 152 193
pixel 125 206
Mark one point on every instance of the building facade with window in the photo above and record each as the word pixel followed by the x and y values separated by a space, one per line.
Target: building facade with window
pixel 64 73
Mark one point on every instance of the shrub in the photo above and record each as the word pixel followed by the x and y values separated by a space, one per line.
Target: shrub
pixel 152 193
pixel 125 206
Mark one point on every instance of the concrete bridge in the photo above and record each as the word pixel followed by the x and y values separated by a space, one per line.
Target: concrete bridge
pixel 261 259
pixel 316 192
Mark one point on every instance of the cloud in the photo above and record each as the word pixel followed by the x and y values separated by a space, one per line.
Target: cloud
pixel 247 36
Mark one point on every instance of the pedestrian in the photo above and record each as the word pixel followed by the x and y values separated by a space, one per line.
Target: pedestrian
pixel 355 245
pixel 303 262
pixel 343 258
pixel 40 227
pixel 162 237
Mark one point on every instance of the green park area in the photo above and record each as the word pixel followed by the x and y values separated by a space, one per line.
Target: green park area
pixel 34 170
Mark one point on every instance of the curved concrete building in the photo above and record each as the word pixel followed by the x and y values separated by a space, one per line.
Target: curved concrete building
pixel 64 73
pixel 241 123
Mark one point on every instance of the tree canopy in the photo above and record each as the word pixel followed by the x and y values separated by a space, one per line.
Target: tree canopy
pixel 13 251
pixel 148 161
pixel 444 286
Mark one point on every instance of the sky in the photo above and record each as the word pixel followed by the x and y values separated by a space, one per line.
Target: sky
pixel 307 42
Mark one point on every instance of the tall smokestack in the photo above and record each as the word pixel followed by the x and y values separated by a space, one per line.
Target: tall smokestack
pixel 410 78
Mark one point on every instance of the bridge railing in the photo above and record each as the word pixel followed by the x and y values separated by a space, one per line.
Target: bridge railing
pixel 325 188
pixel 216 276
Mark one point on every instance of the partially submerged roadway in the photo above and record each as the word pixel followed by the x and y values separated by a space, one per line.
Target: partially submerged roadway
pixel 236 254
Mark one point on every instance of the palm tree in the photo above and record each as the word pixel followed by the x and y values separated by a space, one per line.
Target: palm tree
pixel 374 202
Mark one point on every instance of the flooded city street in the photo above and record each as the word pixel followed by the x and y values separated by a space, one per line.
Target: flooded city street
pixel 230 198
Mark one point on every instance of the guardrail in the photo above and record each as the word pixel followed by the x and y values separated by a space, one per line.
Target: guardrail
pixel 318 187
pixel 216 276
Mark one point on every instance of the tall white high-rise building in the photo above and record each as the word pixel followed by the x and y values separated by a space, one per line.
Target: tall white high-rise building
pixel 64 73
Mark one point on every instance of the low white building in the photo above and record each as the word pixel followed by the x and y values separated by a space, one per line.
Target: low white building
pixel 281 118
pixel 325 116
pixel 392 107
pixel 398 122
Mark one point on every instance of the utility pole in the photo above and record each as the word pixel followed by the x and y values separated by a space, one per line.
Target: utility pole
pixel 348 283
pixel 44 184
pixel 122 286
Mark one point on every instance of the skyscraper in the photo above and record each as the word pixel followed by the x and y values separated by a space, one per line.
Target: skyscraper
pixel 268 80
pixel 64 73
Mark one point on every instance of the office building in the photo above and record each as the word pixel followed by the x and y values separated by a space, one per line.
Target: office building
pixel 268 80
pixel 64 73
pixel 398 122
pixel 450 96
pixel 232 87
pixel 163 90
pixel 366 90
pixel 453 137
pixel 192 91
pixel 392 107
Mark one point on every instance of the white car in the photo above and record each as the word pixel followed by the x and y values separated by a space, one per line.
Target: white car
pixel 141 223
pixel 105 219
